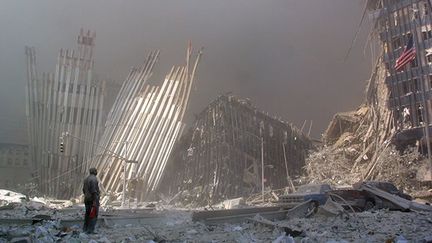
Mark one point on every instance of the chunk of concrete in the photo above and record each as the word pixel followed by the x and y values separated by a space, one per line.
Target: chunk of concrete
pixel 399 201
pixel 234 203
pixel 330 209
pixel 21 240
pixel 302 210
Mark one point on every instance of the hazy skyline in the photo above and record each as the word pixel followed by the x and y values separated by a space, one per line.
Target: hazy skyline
pixel 285 55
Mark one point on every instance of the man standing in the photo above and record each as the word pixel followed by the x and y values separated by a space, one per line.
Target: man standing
pixel 91 201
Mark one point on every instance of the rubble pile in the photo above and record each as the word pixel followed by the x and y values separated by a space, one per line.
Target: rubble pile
pixel 10 198
pixel 165 223
pixel 357 145
pixel 374 226
pixel 368 226
pixel 47 232
pixel 15 205
pixel 335 166
pixel 53 231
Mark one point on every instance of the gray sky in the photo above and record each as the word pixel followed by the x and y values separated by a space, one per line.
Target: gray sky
pixel 285 55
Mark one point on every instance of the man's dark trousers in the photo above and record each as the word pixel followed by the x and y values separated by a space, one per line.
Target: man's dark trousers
pixel 89 224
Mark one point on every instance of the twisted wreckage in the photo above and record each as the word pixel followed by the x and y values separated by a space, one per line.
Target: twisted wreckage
pixel 142 127
pixel 233 149
pixel 397 106
pixel 70 99
pixel 131 152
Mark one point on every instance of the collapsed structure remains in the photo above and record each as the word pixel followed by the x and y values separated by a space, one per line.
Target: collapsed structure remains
pixel 398 23
pixel 142 127
pixel 396 109
pixel 14 164
pixel 68 100
pixel 232 150
pixel 65 116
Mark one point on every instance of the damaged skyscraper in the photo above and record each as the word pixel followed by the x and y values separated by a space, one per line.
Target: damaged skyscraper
pixel 142 127
pixel 405 30
pixel 69 100
pixel 233 150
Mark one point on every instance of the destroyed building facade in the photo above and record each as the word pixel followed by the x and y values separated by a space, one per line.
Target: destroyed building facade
pixel 224 153
pixel 398 23
pixel 14 165
pixel 64 113
pixel 359 144
pixel 142 128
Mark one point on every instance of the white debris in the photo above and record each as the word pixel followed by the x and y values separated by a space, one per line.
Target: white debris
pixel 192 232
pixel 284 239
pixel 38 200
pixel 237 228
pixel 104 240
pixel 401 239
pixel 8 197
pixel 83 236
pixel 234 203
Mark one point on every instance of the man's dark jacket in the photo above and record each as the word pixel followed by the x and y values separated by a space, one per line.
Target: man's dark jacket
pixel 91 189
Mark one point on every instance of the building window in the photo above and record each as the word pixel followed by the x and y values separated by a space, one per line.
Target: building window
pixel 414 63
pixel 416 15
pixel 385 23
pixel 395 18
pixel 429 59
pixel 387 65
pixel 425 7
pixel 430 80
pixel 63 87
pixel 405 87
pixel 415 85
pixel 427 34
pixel 420 113
pixel 385 47
pixel 404 12
pixel 396 43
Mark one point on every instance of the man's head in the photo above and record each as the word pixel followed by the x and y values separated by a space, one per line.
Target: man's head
pixel 93 171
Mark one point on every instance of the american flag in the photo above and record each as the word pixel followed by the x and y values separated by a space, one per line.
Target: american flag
pixel 407 55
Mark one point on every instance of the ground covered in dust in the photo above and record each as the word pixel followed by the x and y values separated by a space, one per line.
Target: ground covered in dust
pixel 177 226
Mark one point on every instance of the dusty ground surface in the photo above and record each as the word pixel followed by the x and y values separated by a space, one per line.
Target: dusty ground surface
pixel 177 226
pixel 163 223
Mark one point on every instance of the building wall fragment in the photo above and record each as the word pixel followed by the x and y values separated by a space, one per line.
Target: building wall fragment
pixel 66 100
pixel 411 87
pixel 220 157
pixel 142 127
pixel 14 165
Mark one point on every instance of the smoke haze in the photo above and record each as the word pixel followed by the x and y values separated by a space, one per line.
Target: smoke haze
pixel 285 55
